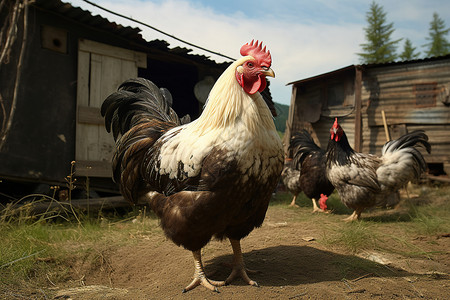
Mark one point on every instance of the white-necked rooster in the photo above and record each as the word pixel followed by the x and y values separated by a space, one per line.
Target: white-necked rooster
pixel 209 178
pixel 365 180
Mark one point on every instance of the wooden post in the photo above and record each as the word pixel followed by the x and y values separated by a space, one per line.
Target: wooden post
pixel 290 121
pixel 386 129
pixel 358 104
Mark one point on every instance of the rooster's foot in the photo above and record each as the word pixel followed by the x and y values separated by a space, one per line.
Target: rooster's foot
pixel 241 271
pixel 353 217
pixel 200 277
pixel 249 271
pixel 207 283
pixel 238 265
pixel 293 202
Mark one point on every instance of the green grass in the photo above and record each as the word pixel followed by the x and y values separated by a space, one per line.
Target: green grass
pixel 25 246
pixel 354 237
pixel 425 215
pixel 37 250
pixel 352 267
pixel 430 219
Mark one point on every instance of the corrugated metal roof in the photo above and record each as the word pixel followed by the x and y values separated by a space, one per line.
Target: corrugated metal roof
pixel 341 70
pixel 131 33
pixel 85 17
pixel 367 66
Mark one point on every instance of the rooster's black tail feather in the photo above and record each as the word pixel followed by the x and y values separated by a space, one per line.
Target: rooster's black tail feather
pixel 137 101
pixel 302 144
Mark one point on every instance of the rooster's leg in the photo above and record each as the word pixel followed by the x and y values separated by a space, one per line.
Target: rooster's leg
pixel 356 215
pixel 238 265
pixel 315 207
pixel 293 201
pixel 200 276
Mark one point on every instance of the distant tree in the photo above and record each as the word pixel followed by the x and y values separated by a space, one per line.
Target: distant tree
pixel 409 51
pixel 438 44
pixel 379 47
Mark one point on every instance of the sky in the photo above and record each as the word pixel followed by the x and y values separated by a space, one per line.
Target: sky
pixel 305 37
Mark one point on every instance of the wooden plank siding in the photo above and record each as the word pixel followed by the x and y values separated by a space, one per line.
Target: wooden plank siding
pixel 397 96
pixel 358 107
pixel 101 69
pixel 414 95
pixel 392 89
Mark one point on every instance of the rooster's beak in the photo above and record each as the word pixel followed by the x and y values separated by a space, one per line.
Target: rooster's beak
pixel 268 72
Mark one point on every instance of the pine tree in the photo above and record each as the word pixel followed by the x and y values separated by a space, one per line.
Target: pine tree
pixel 409 51
pixel 438 44
pixel 379 47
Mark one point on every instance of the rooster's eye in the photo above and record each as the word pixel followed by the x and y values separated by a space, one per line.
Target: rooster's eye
pixel 250 65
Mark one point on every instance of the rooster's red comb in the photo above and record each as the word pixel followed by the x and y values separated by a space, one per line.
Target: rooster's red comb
pixel 258 52
pixel 336 124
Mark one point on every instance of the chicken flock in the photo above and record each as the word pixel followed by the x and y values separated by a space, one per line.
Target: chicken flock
pixel 213 177
pixel 361 180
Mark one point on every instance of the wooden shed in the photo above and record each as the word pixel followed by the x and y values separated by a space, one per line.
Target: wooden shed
pixel 410 95
pixel 57 64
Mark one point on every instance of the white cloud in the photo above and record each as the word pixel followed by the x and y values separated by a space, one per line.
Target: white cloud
pixel 300 47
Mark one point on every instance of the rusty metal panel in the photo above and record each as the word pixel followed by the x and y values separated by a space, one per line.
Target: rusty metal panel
pixel 413 95
pixel 409 94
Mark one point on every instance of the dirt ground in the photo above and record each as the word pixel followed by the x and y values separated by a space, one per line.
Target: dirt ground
pixel 291 261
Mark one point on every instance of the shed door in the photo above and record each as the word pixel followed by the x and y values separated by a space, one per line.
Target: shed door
pixel 101 69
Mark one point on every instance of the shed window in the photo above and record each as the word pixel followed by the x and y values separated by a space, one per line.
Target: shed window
pixel 53 38
pixel 425 94
pixel 339 94
pixel 336 94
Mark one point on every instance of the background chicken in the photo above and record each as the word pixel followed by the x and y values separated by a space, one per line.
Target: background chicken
pixel 365 180
pixel 310 160
pixel 291 179
pixel 211 177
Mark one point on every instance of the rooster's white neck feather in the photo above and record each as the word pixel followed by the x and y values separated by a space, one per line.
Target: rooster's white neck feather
pixel 232 120
pixel 227 102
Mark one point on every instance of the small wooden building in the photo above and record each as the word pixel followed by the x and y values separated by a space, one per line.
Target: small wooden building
pixel 57 65
pixel 410 95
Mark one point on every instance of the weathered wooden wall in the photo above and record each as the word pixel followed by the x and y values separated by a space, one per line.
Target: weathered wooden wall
pixel 394 90
pixel 413 95
pixel 62 86
pixel 101 69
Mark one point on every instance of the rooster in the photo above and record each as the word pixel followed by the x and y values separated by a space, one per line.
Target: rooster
pixel 291 180
pixel 366 180
pixel 310 160
pixel 212 177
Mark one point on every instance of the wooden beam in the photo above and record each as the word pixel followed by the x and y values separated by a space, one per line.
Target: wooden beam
pixel 358 104
pixel 139 58
pixel 290 122
pixel 93 168
pixel 90 115
pixel 439 178
pixel 385 125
